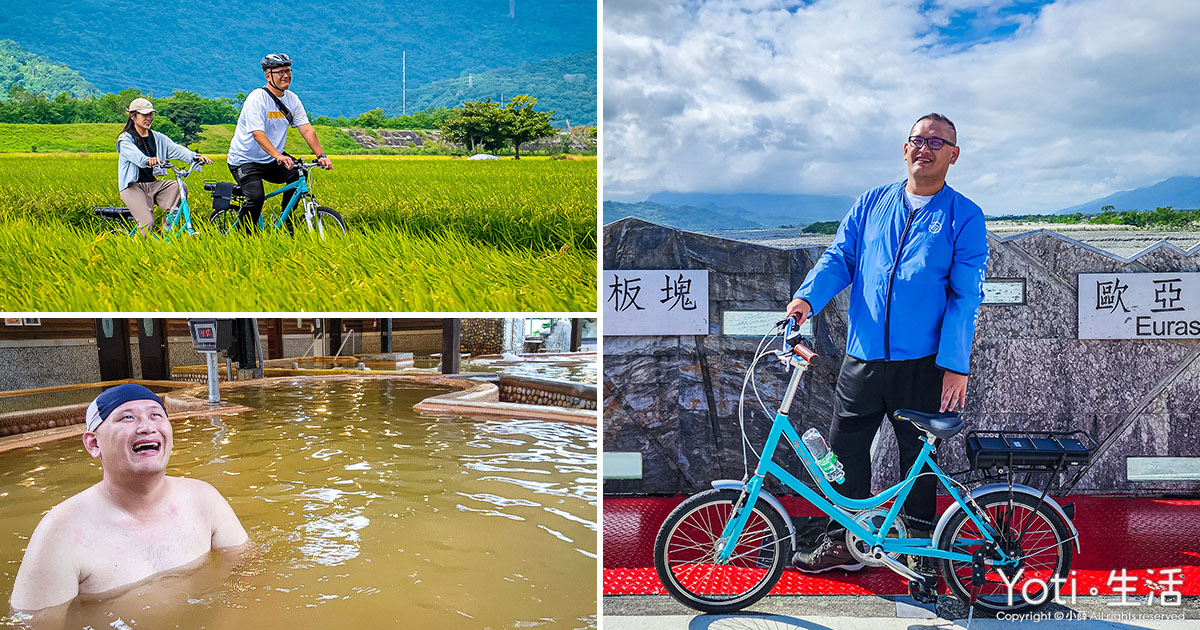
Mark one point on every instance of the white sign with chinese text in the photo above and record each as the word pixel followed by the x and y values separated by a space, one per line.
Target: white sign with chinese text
pixel 1139 305
pixel 655 302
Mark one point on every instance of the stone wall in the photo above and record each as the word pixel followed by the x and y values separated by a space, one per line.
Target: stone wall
pixel 674 399
pixel 48 363
pixel 539 391
pixel 392 138
pixel 482 336
pixel 40 419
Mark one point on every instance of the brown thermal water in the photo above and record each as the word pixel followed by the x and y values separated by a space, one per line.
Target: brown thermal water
pixel 363 514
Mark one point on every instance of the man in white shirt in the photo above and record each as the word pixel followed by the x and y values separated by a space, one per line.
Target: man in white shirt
pixel 256 152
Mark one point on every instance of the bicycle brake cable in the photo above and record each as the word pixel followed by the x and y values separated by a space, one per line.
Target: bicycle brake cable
pixel 749 378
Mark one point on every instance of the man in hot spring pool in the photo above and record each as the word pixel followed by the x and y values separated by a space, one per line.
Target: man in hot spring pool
pixel 135 523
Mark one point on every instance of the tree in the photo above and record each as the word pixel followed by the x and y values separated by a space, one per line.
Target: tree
pixel 186 115
pixel 164 126
pixel 522 124
pixel 476 124
pixel 373 119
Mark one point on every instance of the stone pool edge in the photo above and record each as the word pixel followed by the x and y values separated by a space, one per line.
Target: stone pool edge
pixel 474 398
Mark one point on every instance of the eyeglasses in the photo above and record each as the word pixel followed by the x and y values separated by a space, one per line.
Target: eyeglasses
pixel 285 72
pixel 934 143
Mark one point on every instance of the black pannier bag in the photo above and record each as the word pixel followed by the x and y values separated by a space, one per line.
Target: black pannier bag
pixel 223 194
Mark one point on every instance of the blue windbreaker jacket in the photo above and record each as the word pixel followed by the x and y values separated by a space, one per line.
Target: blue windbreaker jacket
pixel 915 277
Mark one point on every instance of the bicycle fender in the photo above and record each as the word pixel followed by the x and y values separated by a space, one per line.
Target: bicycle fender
pixel 1003 487
pixel 734 484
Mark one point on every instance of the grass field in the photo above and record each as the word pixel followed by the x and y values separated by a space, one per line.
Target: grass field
pixel 74 138
pixel 335 141
pixel 102 138
pixel 426 235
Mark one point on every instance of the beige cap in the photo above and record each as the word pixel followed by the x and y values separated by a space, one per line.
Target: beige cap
pixel 141 106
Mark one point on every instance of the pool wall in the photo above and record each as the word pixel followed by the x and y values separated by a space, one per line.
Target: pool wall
pixel 475 397
pixel 48 362
pixel 543 391
pixel 283 367
pixel 33 426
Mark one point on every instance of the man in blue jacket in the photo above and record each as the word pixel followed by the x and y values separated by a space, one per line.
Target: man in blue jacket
pixel 913 254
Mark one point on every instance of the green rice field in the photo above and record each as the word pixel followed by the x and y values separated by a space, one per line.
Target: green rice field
pixel 426 234
pixel 102 138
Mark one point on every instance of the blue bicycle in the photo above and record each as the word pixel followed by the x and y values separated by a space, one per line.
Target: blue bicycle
pixel 1001 546
pixel 177 223
pixel 227 212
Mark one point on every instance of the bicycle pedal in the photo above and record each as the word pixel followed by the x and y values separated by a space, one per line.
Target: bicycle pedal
pixel 923 592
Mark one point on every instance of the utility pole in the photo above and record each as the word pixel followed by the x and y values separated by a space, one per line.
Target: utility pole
pixel 404 83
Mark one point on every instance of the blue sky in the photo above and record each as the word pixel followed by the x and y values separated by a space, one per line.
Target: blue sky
pixel 1056 103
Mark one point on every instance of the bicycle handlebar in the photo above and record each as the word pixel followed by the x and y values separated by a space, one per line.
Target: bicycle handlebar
pixel 796 348
pixel 170 166
pixel 306 166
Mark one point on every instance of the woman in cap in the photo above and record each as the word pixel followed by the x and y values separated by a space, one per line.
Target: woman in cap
pixel 140 150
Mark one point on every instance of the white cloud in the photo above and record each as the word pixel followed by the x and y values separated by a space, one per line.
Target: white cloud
pixel 1088 98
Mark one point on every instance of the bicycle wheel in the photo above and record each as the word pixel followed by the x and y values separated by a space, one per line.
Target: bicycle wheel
pixel 224 220
pixel 326 223
pixel 686 548
pixel 1033 533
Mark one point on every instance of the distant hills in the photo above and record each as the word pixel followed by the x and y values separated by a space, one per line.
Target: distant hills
pixel 690 218
pixel 1178 192
pixel 564 84
pixel 349 54
pixel 705 212
pixel 38 74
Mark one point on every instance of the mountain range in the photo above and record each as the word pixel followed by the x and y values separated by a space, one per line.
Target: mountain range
pixel 712 211
pixel 38 74
pixel 705 212
pixel 1178 192
pixel 566 85
pixel 350 56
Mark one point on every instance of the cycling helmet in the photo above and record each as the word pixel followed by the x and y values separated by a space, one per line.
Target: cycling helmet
pixel 275 60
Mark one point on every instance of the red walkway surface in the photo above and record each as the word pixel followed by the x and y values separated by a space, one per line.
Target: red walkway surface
pixel 1141 536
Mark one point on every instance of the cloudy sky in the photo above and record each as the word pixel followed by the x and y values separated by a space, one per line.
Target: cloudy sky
pixel 1055 103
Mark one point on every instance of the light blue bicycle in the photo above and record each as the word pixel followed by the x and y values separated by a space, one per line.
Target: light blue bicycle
pixel 724 549
pixel 176 224
pixel 227 214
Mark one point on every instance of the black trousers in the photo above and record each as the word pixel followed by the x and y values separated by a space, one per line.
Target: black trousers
pixel 867 391
pixel 250 177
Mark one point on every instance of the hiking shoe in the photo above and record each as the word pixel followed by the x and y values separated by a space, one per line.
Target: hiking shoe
pixel 829 554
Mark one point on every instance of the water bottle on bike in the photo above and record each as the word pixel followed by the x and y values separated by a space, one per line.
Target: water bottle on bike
pixel 827 461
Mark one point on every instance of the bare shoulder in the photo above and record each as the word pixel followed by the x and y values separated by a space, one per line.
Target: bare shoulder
pixel 70 516
pixel 50 570
pixel 194 488
pixel 227 529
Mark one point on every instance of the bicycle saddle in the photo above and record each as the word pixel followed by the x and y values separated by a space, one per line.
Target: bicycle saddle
pixel 943 425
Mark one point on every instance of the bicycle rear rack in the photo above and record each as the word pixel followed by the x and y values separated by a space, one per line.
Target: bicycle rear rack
pixel 1029 451
pixel 999 455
